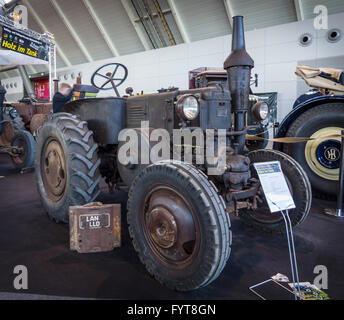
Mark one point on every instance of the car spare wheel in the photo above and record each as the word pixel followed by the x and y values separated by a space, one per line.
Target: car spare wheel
pixel 319 157
pixel 178 225
pixel 299 186
pixel 67 165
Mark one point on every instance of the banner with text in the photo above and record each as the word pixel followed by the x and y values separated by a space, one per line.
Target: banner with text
pixel 18 42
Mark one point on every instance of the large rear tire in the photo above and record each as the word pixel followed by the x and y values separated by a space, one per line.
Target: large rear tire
pixel 67 165
pixel 298 184
pixel 319 158
pixel 178 225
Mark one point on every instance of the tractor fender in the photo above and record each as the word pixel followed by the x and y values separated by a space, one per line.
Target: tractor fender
pixel 300 108
pixel 105 116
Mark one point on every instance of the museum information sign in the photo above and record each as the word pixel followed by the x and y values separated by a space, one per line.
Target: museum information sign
pixel 275 186
pixel 15 41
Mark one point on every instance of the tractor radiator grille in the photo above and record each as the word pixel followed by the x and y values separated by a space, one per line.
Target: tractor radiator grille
pixel 135 114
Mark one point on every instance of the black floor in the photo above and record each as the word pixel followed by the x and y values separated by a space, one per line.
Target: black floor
pixel 28 237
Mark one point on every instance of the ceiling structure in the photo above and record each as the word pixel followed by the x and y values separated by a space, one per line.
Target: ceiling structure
pixel 91 30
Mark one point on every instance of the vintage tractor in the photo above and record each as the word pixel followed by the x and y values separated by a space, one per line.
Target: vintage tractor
pixel 178 214
pixel 318 114
pixel 15 141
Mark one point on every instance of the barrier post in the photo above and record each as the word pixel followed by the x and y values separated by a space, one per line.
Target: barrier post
pixel 338 213
pixel 341 181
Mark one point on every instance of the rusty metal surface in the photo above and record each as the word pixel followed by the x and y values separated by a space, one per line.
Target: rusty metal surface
pixel 54 169
pixel 27 111
pixel 7 134
pixel 95 227
pixel 44 108
pixel 170 227
pixel 36 121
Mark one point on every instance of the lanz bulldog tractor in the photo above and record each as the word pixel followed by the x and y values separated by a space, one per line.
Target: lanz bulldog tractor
pixel 16 142
pixel 178 216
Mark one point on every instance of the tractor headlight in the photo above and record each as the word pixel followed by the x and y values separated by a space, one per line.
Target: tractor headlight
pixel 187 107
pixel 260 110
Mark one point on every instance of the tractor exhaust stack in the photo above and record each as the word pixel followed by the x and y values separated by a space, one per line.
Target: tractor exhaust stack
pixel 238 66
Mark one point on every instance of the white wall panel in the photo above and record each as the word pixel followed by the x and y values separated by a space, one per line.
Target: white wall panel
pixel 327 49
pixel 255 38
pixel 205 47
pixel 211 60
pixel 288 52
pixel 173 53
pixel 280 71
pixel 258 55
pixel 291 32
pixel 173 67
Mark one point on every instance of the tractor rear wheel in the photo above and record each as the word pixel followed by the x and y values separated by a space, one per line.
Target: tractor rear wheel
pixel 299 187
pixel 178 225
pixel 67 165
pixel 320 158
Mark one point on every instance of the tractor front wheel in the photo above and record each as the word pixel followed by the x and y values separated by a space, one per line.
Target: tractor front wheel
pixel 179 225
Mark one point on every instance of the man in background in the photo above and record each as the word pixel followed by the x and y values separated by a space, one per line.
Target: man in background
pixel 61 97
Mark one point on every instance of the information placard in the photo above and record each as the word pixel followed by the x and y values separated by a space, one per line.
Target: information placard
pixel 274 185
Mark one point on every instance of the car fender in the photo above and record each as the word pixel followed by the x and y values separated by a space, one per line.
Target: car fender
pixel 300 108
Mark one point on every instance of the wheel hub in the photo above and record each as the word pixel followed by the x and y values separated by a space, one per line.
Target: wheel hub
pixel 169 226
pixel 54 170
pixel 323 155
pixel 163 227
pixel 328 154
pixel 20 145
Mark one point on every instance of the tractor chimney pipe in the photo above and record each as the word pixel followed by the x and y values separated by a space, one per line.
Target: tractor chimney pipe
pixel 239 55
pixel 238 39
pixel 238 66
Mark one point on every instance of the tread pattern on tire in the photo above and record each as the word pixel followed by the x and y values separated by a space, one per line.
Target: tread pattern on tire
pixel 274 155
pixel 334 107
pixel 83 160
pixel 216 210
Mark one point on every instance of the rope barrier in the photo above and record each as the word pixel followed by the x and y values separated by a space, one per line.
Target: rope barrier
pixel 292 139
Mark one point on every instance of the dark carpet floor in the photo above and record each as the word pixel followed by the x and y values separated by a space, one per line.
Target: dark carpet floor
pixel 28 237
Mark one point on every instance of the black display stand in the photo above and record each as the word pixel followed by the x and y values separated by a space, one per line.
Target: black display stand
pixel 338 213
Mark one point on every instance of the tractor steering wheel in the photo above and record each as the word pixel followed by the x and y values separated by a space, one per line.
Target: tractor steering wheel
pixel 108 79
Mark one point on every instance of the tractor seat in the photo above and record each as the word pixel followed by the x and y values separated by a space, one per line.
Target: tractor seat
pixel 84 89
